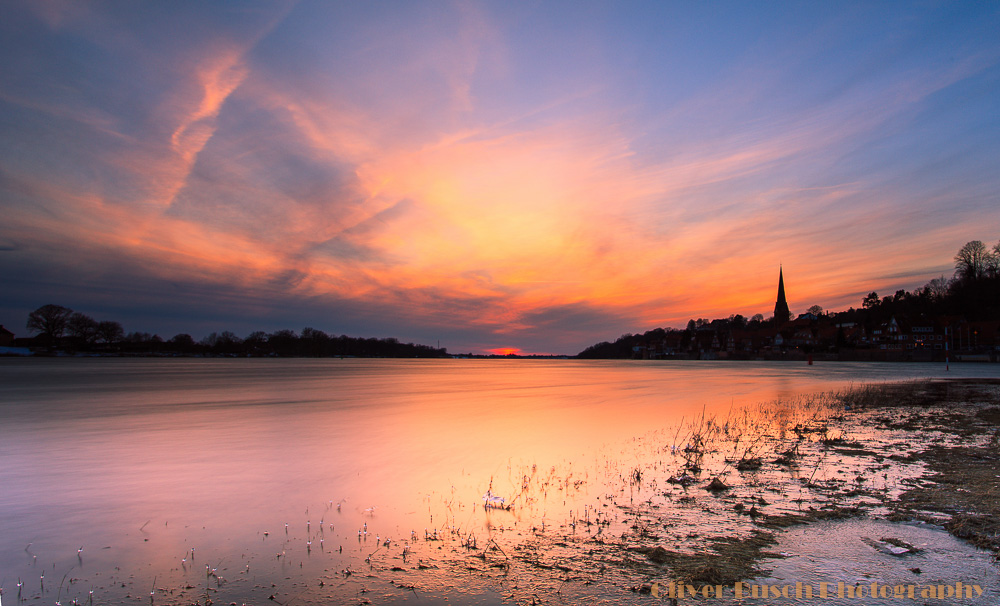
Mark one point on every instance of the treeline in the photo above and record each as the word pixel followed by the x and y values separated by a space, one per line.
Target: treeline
pixel 622 348
pixel 59 327
pixel 972 294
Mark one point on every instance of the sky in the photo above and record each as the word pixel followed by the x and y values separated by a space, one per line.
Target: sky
pixel 532 176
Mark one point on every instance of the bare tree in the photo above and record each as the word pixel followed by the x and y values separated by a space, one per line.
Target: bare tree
pixel 50 321
pixel 110 331
pixel 972 260
pixel 83 327
pixel 993 262
pixel 937 288
pixel 256 339
pixel 228 338
pixel 815 310
pixel 138 338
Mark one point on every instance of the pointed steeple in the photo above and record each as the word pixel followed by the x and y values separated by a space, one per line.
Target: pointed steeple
pixel 781 313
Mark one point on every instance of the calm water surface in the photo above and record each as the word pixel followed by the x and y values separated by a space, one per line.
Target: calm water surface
pixel 140 461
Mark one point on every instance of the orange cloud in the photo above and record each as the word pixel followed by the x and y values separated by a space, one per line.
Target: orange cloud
pixel 216 81
pixel 391 176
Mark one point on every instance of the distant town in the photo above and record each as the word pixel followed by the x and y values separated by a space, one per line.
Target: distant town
pixel 955 319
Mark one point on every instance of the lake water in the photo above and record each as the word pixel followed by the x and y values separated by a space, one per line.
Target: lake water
pixel 122 476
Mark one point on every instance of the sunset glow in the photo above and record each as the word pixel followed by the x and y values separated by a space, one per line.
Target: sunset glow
pixel 505 351
pixel 499 178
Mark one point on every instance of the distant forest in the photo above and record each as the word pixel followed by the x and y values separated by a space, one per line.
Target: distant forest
pixel 971 295
pixel 59 327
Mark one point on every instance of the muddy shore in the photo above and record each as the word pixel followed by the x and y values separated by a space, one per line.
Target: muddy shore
pixel 917 452
pixel 850 486
pixel 712 502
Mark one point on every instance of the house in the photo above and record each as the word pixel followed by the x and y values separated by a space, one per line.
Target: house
pixel 925 333
pixel 6 337
pixel 981 336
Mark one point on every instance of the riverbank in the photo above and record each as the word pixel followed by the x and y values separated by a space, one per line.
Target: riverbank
pixel 962 489
pixel 915 453
pixel 867 480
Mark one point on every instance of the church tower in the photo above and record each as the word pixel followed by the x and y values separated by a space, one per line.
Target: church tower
pixel 781 313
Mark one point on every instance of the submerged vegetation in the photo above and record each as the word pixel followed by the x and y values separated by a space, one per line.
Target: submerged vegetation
pixel 711 497
pixel 704 502
pixel 962 489
pixel 922 451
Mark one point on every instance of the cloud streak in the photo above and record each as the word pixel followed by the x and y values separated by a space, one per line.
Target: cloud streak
pixel 429 171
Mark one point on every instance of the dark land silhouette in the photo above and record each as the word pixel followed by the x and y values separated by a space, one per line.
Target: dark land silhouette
pixel 61 329
pixel 957 319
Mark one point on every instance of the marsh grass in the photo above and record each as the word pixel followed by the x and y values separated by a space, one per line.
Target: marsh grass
pixel 725 561
pixel 816 458
pixel 640 513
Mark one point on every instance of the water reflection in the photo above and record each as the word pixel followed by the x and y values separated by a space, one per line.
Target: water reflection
pixel 173 469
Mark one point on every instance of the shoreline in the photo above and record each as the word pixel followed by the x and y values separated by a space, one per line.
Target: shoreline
pixel 960 360
pixel 952 430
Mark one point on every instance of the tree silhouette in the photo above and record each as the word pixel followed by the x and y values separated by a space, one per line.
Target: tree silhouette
pixel 110 331
pixel 993 262
pixel 937 288
pixel 83 327
pixel 183 343
pixel 50 321
pixel 973 261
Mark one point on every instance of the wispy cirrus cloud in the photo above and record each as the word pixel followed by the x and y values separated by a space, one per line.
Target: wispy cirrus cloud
pixel 464 170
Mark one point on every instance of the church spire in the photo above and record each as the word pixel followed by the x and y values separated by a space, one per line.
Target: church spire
pixel 781 313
